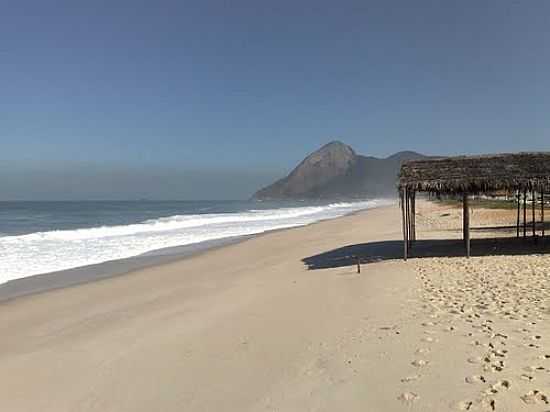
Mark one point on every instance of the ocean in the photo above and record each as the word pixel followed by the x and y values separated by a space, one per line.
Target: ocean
pixel 44 237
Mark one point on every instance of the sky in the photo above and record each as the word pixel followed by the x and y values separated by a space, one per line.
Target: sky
pixel 208 99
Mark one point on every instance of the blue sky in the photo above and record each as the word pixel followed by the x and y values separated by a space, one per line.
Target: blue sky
pixel 203 93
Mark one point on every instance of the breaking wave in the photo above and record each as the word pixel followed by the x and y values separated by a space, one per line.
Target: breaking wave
pixel 44 252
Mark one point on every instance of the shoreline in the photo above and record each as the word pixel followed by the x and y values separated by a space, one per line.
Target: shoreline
pixel 251 327
pixel 245 327
pixel 41 283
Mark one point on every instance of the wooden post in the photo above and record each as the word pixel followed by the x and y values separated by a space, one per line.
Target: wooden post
pixel 410 221
pixel 542 209
pixel 463 220
pixel 408 198
pixel 414 216
pixel 533 204
pixel 466 223
pixel 518 198
pixel 524 213
pixel 404 219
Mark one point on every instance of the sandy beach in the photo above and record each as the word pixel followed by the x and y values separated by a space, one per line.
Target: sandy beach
pixel 283 322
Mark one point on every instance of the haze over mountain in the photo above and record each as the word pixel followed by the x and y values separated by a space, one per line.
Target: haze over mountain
pixel 335 171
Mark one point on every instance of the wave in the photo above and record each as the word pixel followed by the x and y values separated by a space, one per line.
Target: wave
pixel 44 252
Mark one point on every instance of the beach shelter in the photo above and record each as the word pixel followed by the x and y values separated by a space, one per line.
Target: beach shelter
pixel 527 175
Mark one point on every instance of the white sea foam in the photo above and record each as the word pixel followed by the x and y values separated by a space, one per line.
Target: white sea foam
pixel 45 252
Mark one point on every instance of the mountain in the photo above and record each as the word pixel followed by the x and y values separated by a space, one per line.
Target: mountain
pixel 335 171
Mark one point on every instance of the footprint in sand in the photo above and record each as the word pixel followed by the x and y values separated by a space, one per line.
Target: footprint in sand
pixel 527 377
pixel 475 379
pixel 410 378
pixel 422 351
pixel 429 339
pixel 534 368
pixel 419 363
pixel 494 367
pixel 486 404
pixel 499 353
pixel 499 386
pixel 475 359
pixel 466 405
pixel 408 397
pixel 535 397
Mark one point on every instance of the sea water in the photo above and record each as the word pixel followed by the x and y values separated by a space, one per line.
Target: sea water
pixel 44 237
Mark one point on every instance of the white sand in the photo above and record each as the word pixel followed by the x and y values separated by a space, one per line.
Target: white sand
pixel 249 328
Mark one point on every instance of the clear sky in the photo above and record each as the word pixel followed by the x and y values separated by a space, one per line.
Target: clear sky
pixel 210 99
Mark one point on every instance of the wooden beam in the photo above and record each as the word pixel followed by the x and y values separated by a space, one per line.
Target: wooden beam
pixel 404 219
pixel 466 223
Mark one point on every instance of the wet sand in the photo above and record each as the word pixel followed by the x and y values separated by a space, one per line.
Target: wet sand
pixel 248 327
pixel 92 273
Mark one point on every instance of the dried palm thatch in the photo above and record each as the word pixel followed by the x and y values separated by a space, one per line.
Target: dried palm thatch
pixel 477 174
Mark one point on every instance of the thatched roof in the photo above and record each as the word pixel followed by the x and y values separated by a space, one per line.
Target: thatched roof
pixel 477 174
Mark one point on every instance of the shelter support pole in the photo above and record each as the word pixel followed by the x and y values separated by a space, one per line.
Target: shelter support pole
pixel 404 219
pixel 466 223
pixel 408 196
pixel 533 220
pixel 542 210
pixel 524 213
pixel 407 217
pixel 464 219
pixel 518 198
pixel 413 214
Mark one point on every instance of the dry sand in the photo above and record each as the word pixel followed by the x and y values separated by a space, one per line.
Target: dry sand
pixel 249 328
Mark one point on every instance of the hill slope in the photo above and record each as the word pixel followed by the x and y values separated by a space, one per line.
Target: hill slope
pixel 335 171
